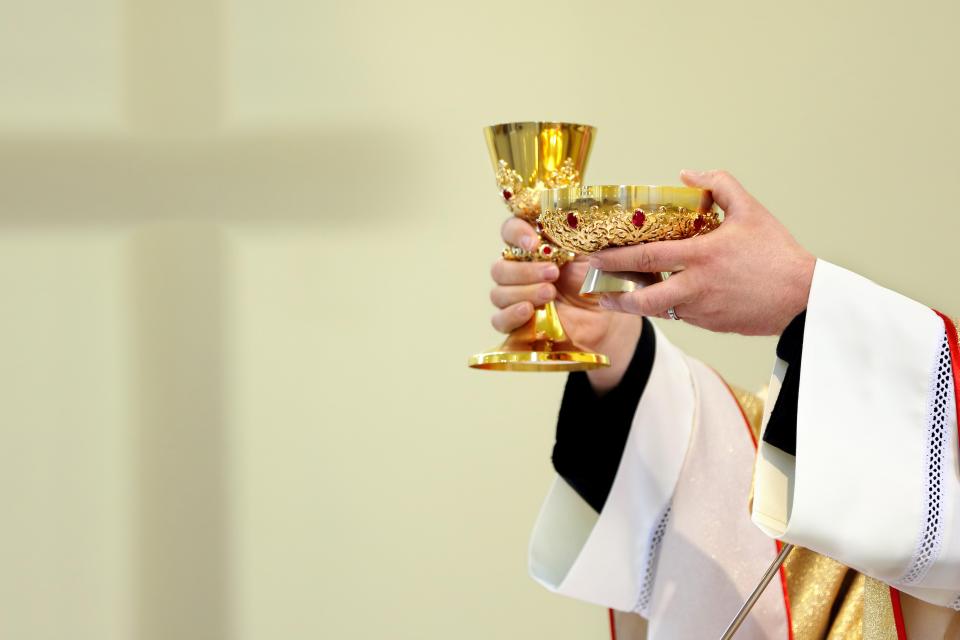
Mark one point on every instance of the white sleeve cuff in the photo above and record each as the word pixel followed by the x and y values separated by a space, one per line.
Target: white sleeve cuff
pixel 858 489
pixel 603 559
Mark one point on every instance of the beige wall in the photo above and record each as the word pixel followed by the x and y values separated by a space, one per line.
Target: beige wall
pixel 243 257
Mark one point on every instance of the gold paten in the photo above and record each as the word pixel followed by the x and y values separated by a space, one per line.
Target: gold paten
pixel 527 158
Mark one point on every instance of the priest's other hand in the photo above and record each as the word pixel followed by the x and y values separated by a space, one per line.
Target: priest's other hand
pixel 522 285
pixel 749 276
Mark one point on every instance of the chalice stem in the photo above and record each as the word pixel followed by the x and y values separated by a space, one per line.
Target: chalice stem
pixel 752 600
pixel 546 324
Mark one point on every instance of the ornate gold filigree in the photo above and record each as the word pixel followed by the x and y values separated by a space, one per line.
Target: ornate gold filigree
pixel 565 176
pixel 524 201
pixel 592 226
pixel 507 178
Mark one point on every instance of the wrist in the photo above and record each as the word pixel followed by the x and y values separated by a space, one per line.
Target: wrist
pixel 619 345
pixel 801 283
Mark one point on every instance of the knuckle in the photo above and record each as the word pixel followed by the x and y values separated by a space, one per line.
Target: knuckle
pixel 505 229
pixel 653 307
pixel 534 271
pixel 699 249
pixel 497 270
pixel 634 302
pixel 545 292
pixel 662 299
pixel 644 261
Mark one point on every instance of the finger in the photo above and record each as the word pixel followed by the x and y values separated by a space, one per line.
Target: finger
pixel 724 186
pixel 670 255
pixel 506 320
pixel 653 300
pixel 519 233
pixel 511 272
pixel 503 297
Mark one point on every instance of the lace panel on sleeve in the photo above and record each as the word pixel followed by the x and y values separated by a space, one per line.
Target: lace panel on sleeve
pixel 939 411
pixel 650 568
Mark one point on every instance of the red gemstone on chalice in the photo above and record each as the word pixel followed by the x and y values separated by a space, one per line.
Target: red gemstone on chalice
pixel 698 223
pixel 639 217
pixel 547 251
pixel 507 194
pixel 572 220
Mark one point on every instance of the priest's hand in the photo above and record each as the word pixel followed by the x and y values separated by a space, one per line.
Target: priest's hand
pixel 522 285
pixel 749 276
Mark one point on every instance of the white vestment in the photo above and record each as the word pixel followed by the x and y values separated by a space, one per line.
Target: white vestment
pixel 874 484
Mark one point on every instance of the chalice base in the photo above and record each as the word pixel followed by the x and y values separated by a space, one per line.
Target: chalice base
pixel 539 345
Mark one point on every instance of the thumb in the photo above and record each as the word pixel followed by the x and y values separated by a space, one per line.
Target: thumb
pixel 726 190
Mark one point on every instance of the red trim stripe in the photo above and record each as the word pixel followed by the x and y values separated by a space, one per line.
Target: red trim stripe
pixel 786 595
pixel 898 614
pixel 951 330
pixel 613 625
pixel 954 343
pixel 777 543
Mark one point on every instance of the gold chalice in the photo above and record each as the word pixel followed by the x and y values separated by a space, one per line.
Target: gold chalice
pixel 590 218
pixel 529 157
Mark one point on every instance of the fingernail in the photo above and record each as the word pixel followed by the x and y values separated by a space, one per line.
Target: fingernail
pixel 606 302
pixel 691 173
pixel 596 263
pixel 529 243
pixel 550 272
pixel 545 294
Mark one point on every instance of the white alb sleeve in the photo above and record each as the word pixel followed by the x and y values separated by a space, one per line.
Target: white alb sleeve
pixel 875 482
pixel 674 541
pixel 601 558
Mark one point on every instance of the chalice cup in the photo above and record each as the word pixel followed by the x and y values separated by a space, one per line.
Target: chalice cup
pixel 585 219
pixel 529 157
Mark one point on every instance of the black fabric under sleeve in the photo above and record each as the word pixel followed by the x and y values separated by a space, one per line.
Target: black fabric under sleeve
pixel 592 430
pixel 781 431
